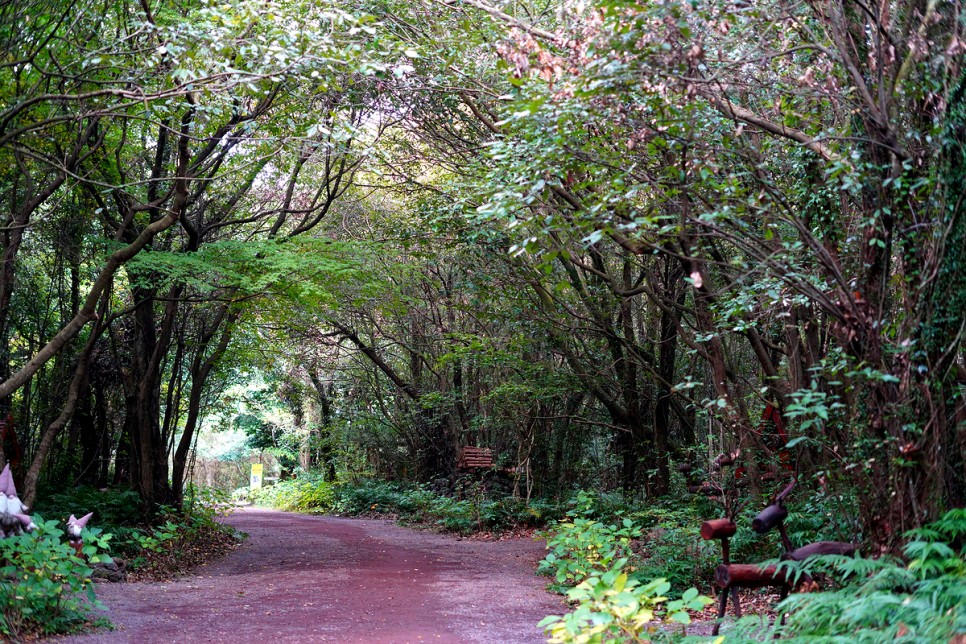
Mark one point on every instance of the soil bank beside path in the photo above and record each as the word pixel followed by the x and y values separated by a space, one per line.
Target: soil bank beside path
pixel 301 578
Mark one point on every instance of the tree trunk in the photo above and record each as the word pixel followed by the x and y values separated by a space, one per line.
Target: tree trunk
pixel 201 369
pixel 326 436
pixel 667 355
pixel 150 475
pixel 77 385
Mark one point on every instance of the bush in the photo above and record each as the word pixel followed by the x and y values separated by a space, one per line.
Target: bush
pixel 111 506
pixel 615 607
pixel 308 493
pixel 184 538
pixel 672 548
pixel 44 587
pixel 613 602
pixel 367 496
pixel 584 546
pixel 116 511
pixel 163 545
pixel 414 504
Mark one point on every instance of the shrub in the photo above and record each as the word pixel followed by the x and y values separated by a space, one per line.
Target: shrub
pixel 414 504
pixel 184 538
pixel 203 507
pixel 44 587
pixel 373 496
pixel 613 603
pixel 308 493
pixel 111 507
pixel 582 547
pixel 615 607
pixel 672 548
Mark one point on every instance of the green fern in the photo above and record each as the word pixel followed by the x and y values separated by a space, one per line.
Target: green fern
pixel 921 599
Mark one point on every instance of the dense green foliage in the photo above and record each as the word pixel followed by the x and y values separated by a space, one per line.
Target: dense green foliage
pixel 113 507
pixel 614 598
pixel 615 608
pixel 604 240
pixel 582 546
pixel 45 587
pixel 476 511
pixel 146 544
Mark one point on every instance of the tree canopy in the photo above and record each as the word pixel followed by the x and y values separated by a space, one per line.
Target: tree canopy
pixel 603 239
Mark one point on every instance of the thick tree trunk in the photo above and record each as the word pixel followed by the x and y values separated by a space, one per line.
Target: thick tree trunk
pixel 77 386
pixel 436 454
pixel 87 311
pixel 150 473
pixel 104 433
pixel 201 369
pixel 88 436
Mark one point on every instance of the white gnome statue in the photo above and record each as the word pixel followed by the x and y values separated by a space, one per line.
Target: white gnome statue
pixel 74 528
pixel 9 490
pixel 75 525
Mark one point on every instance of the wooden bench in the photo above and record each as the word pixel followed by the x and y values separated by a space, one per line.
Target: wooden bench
pixel 474 458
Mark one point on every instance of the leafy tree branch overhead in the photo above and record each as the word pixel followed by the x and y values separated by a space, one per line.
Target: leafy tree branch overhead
pixel 603 240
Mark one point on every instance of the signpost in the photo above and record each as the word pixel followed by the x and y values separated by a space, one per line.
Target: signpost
pixel 256 478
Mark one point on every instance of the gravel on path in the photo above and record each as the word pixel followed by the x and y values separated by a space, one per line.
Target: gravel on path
pixel 300 578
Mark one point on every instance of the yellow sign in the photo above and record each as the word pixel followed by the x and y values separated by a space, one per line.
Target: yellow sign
pixel 256 480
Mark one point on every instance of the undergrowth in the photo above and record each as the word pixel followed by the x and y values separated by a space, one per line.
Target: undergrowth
pixel 619 592
pixel 45 588
pixel 592 560
pixel 184 538
pixel 475 509
pixel 920 597
pixel 174 540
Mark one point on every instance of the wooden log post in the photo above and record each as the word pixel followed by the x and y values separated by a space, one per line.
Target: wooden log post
pixel 773 516
pixel 750 576
pixel 822 548
pixel 723 529
pixel 718 529
pixel 769 518
pixel 731 577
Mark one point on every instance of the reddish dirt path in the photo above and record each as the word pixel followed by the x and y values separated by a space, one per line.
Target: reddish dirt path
pixel 301 578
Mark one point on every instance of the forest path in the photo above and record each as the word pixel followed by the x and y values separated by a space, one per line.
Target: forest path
pixel 300 578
